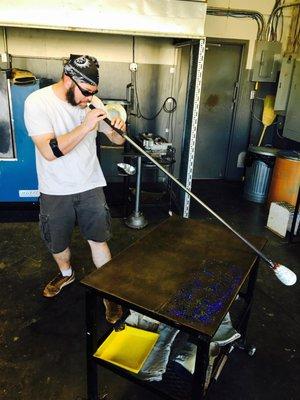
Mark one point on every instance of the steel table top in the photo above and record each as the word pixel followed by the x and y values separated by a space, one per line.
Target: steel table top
pixel 184 272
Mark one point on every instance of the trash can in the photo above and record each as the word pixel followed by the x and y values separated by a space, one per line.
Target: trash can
pixel 259 164
pixel 286 177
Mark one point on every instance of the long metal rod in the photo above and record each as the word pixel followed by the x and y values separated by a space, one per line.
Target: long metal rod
pixel 135 145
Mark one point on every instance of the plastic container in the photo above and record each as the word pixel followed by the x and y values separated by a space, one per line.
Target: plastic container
pixel 259 166
pixel 286 177
pixel 128 348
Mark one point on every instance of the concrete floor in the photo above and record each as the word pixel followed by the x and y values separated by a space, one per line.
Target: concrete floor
pixel 42 341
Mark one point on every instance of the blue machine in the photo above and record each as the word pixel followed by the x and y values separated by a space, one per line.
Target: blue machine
pixel 18 179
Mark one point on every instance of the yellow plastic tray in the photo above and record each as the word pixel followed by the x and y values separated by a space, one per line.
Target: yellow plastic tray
pixel 128 348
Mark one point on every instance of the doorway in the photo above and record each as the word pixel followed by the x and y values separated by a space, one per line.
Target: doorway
pixel 221 74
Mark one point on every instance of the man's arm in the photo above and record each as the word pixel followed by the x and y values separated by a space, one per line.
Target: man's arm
pixel 69 140
pixel 113 136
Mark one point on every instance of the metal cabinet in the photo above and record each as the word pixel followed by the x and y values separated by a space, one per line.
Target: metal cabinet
pixel 18 178
pixel 292 125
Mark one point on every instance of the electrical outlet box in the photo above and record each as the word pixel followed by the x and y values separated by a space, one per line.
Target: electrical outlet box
pixel 266 61
pixel 4 61
pixel 4 57
pixel 291 126
pixel 284 84
pixel 133 67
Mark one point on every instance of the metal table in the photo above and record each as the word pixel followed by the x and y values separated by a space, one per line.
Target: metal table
pixel 184 273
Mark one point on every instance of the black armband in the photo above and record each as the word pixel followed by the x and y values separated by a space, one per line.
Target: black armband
pixel 55 149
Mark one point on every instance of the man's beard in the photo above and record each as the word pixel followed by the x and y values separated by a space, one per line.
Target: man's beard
pixel 71 97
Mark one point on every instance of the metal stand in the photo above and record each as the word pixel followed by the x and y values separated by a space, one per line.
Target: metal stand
pixel 242 326
pixel 91 336
pixel 297 205
pixel 137 220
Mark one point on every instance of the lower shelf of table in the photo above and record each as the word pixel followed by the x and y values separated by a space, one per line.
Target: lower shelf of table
pixel 177 381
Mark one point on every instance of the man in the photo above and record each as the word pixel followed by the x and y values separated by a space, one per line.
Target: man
pixel 64 130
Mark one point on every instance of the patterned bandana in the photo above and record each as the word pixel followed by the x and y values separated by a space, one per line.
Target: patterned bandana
pixel 83 68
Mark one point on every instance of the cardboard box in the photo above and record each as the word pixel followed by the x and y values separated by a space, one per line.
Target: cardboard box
pixel 280 218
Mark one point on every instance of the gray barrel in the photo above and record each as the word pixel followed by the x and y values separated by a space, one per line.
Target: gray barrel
pixel 259 164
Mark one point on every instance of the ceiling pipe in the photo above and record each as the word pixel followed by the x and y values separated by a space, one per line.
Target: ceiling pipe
pixel 238 13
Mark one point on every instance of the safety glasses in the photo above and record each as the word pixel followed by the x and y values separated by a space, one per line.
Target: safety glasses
pixel 86 93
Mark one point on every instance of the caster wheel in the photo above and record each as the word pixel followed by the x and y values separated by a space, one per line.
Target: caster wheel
pixel 251 351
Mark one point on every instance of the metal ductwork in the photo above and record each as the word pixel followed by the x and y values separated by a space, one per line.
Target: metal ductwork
pixel 170 18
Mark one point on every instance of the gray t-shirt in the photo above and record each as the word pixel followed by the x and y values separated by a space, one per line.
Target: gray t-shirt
pixel 77 171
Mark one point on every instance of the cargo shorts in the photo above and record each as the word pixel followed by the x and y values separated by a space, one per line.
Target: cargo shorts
pixel 59 214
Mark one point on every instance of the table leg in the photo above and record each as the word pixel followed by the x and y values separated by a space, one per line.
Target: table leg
pixel 201 365
pixel 295 217
pixel 92 377
pixel 243 324
pixel 125 195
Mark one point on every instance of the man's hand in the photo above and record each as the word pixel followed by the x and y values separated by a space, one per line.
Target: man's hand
pixel 113 136
pixel 92 118
pixel 118 123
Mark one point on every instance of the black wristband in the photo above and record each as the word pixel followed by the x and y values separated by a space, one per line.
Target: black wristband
pixel 55 149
